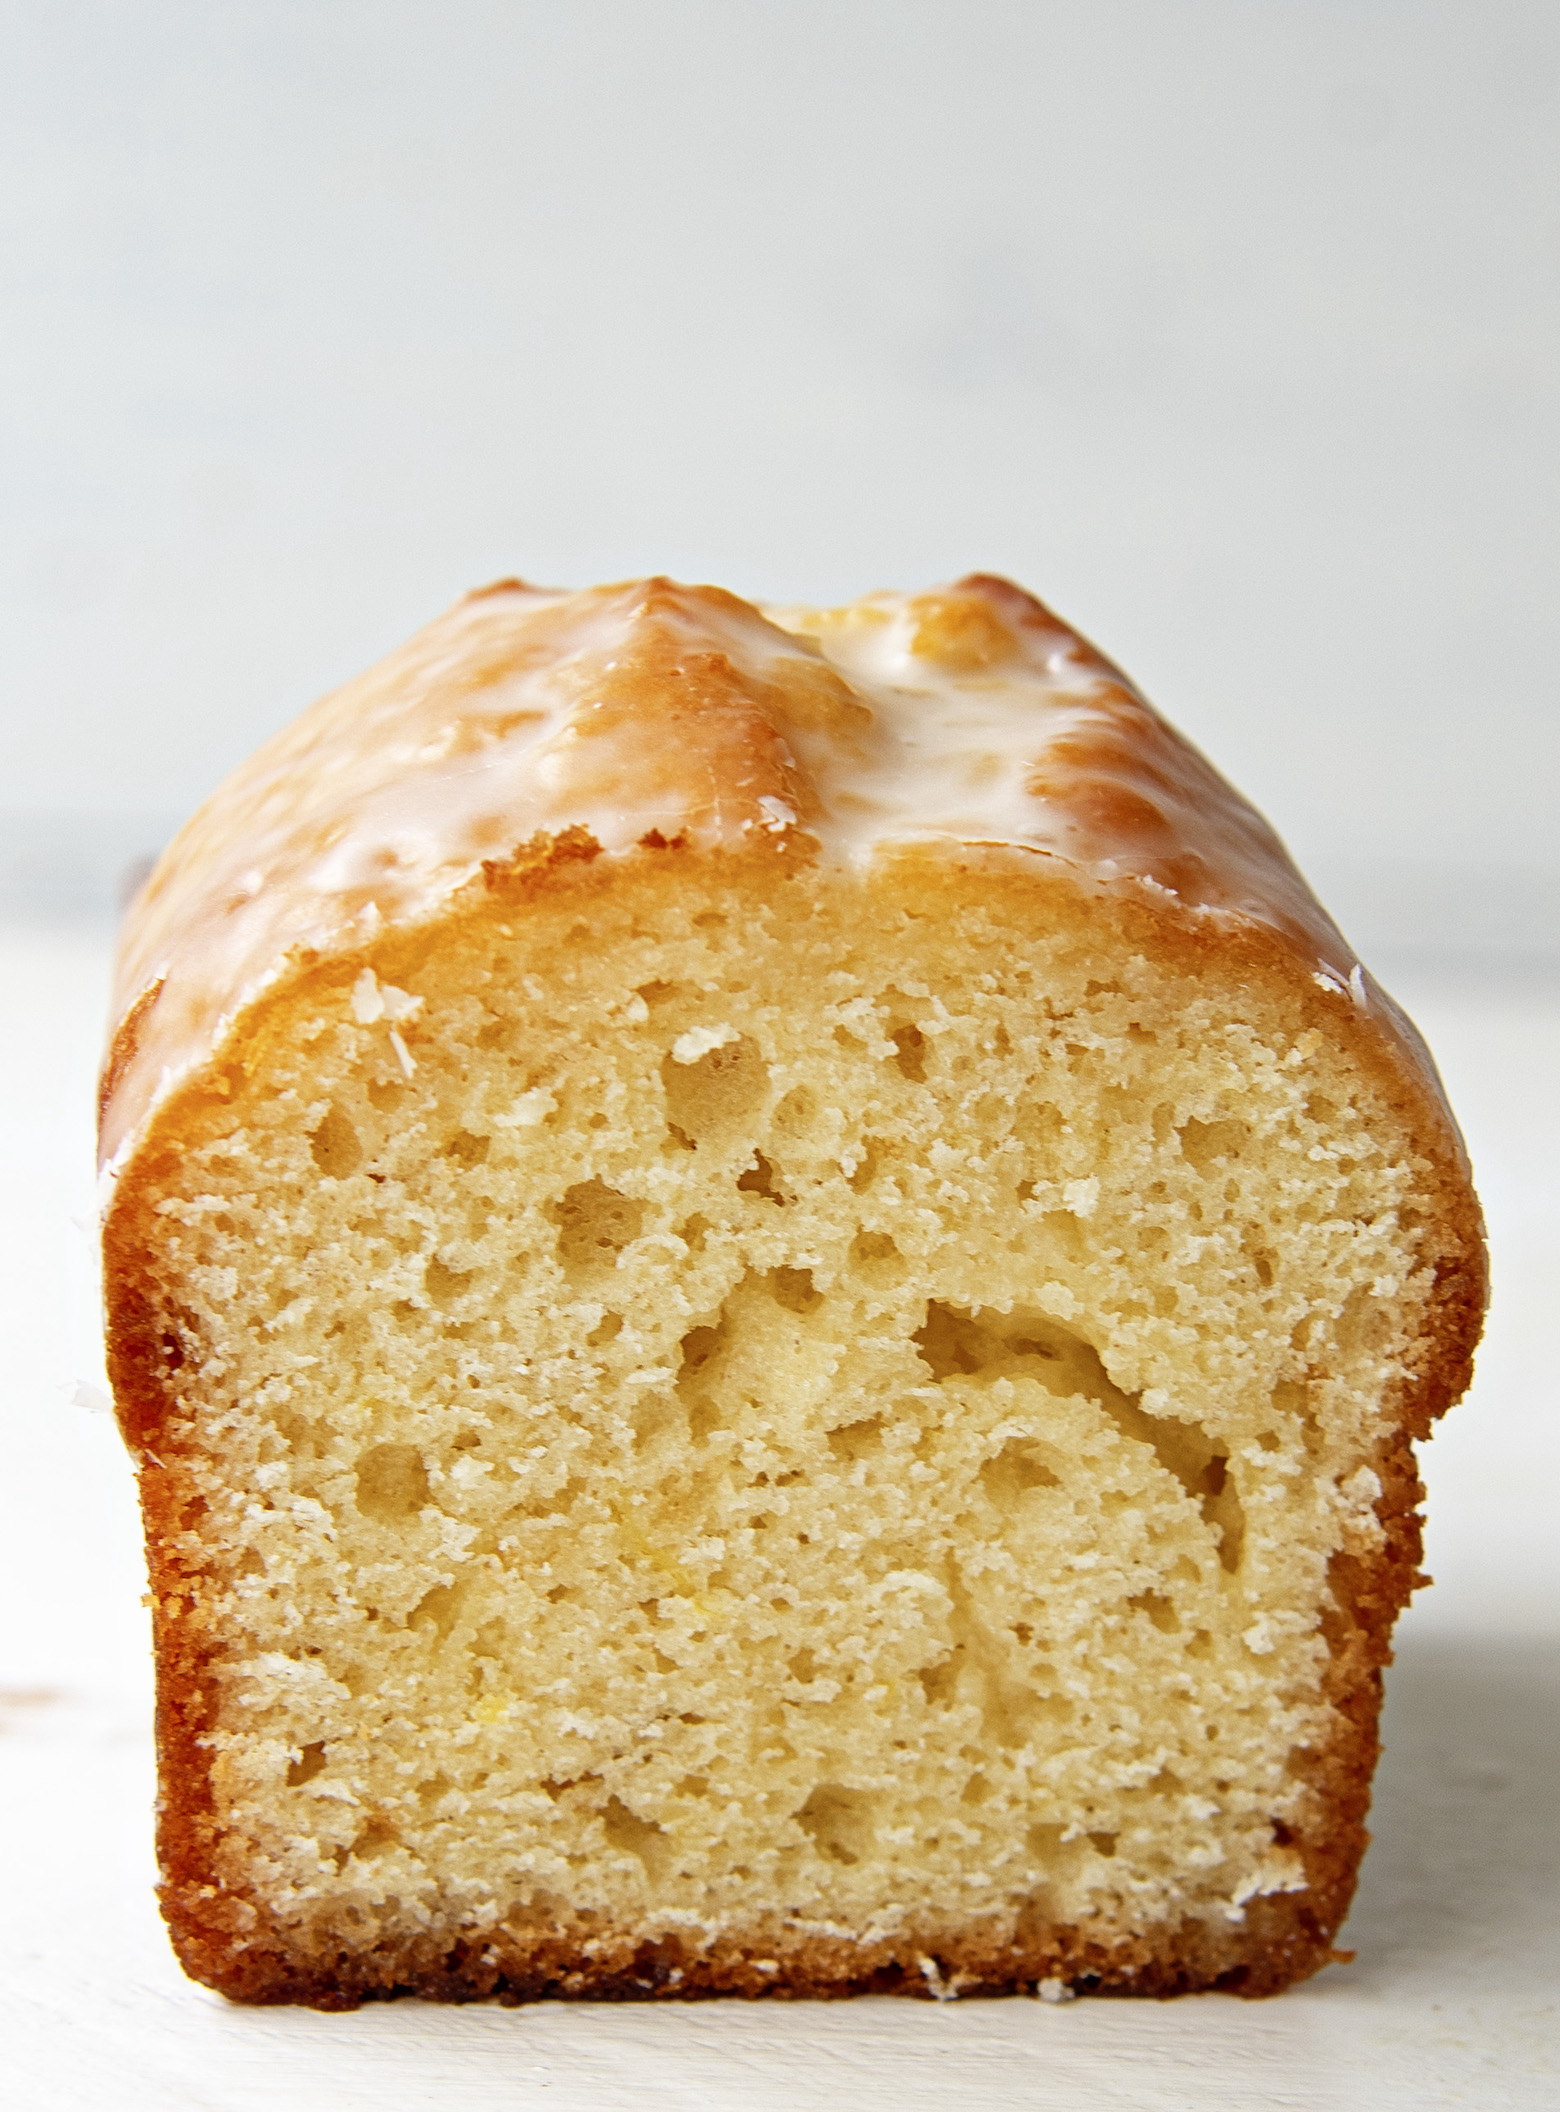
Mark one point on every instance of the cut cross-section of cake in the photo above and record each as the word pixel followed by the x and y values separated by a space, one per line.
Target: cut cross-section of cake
pixel 771 1279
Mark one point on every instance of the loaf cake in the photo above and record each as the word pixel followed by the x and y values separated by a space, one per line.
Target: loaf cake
pixel 770 1278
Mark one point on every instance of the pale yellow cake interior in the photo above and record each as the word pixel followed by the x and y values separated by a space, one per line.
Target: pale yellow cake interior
pixel 738 1415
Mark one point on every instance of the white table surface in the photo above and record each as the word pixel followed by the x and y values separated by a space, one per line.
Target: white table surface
pixel 1453 2000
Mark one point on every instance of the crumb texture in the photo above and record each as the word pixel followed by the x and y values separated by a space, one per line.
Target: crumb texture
pixel 787 1432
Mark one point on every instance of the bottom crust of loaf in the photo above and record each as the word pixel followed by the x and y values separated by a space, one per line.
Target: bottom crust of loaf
pixel 1279 1943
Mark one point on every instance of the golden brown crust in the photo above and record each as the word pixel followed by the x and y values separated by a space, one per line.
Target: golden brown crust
pixel 1284 1940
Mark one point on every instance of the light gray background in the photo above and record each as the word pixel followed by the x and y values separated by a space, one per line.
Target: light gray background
pixel 1230 326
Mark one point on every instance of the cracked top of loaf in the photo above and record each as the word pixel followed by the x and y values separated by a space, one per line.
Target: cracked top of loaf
pixel 967 716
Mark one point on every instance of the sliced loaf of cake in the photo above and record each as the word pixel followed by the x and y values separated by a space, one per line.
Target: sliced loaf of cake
pixel 771 1278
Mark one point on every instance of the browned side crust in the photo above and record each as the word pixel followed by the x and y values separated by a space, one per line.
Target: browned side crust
pixel 227 1941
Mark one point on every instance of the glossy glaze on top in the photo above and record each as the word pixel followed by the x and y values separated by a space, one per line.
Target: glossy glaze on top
pixel 967 715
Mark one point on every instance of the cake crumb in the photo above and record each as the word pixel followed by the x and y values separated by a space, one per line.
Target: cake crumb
pixel 699 1041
